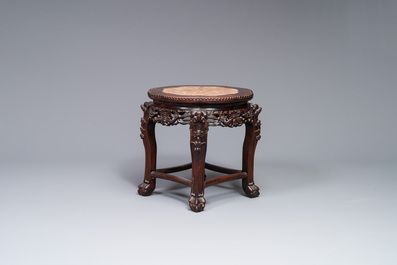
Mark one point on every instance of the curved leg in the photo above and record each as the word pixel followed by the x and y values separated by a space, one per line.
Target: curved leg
pixel 252 135
pixel 198 148
pixel 149 142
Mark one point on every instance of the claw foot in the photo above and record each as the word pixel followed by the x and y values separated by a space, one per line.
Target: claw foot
pixel 251 190
pixel 145 189
pixel 197 203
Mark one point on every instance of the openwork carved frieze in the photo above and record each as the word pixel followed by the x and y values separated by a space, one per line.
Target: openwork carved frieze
pixel 234 117
pixel 165 116
pixel 224 118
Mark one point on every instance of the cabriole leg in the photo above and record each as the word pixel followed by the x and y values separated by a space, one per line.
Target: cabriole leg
pixel 149 142
pixel 198 147
pixel 252 136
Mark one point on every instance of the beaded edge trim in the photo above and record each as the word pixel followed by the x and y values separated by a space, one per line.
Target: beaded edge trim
pixel 234 98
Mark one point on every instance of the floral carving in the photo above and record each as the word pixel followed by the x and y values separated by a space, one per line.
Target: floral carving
pixel 233 117
pixel 257 126
pixel 165 116
pixel 198 129
pixel 145 106
pixel 144 119
pixel 143 130
pixel 225 118
pixel 168 117
pixel 257 123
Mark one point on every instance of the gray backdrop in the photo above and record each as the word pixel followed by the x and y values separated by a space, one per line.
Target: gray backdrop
pixel 73 74
pixel 72 77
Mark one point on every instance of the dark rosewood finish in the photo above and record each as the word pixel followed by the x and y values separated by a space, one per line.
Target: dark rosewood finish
pixel 200 112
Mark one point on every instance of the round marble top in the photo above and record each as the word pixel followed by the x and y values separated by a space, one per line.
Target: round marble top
pixel 200 91
pixel 201 94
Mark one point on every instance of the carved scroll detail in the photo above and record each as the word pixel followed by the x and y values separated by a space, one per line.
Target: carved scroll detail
pixel 143 130
pixel 225 118
pixel 165 116
pixel 169 117
pixel 257 123
pixel 144 119
pixel 198 129
pixel 233 117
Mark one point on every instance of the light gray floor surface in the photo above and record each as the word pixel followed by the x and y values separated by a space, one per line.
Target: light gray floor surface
pixel 91 214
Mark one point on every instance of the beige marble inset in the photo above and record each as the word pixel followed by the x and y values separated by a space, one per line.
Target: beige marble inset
pixel 208 91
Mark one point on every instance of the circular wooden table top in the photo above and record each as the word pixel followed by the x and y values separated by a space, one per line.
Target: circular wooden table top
pixel 193 94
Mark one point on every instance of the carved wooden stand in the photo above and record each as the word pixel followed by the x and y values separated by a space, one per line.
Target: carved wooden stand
pixel 200 112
